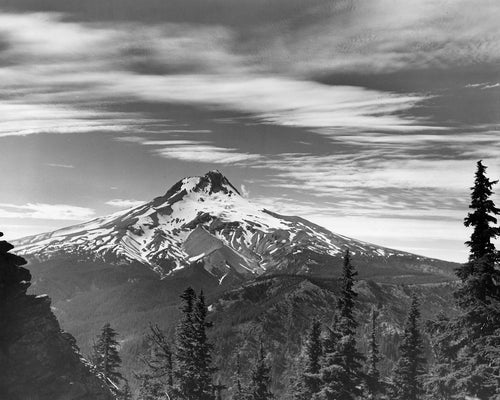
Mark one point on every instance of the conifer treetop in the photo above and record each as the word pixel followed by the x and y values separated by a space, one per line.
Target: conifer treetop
pixel 347 296
pixel 483 217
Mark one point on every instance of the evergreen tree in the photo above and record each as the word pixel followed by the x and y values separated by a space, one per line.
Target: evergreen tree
pixel 331 368
pixel 310 380
pixel 106 357
pixel 203 352
pixel 341 373
pixel 409 371
pixel 445 334
pixel 347 324
pixel 467 347
pixel 347 297
pixel 261 379
pixel 373 383
pixel 480 277
pixel 484 214
pixel 185 372
pixel 194 368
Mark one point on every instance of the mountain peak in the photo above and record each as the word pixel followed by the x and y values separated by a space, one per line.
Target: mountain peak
pixel 216 182
pixel 212 182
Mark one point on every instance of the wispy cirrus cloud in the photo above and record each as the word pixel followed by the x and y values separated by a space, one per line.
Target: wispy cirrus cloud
pixel 194 151
pixel 21 119
pixel 484 85
pixel 67 166
pixel 327 174
pixel 124 203
pixel 382 36
pixel 45 211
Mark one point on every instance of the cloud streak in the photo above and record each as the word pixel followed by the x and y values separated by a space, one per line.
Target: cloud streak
pixel 194 151
pixel 45 211
pixel 124 203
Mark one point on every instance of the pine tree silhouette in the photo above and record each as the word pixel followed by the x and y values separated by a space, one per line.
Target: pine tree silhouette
pixel 106 357
pixel 185 372
pixel 480 276
pixel 341 371
pixel 310 379
pixel 373 383
pixel 194 370
pixel 409 370
pixel 467 347
pixel 261 379
pixel 484 214
pixel 203 353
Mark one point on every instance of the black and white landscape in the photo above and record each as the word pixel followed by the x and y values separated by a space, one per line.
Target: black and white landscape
pixel 249 200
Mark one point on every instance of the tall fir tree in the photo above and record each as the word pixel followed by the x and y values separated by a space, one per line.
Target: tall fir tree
pixel 194 370
pixel 467 347
pixel 331 368
pixel 185 371
pixel 348 323
pixel 410 368
pixel 203 352
pixel 373 383
pixel 481 276
pixel 484 215
pixel 445 337
pixel 106 358
pixel 478 359
pixel 260 386
pixel 310 379
pixel 341 369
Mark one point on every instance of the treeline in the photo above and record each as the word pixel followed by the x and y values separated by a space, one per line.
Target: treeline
pixel 465 360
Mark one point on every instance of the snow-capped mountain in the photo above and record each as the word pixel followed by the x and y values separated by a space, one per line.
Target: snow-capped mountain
pixel 204 218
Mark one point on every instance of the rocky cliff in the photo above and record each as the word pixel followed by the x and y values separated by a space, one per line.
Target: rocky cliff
pixel 38 361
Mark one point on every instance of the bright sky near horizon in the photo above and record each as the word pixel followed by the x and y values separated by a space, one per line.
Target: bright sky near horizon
pixel 366 117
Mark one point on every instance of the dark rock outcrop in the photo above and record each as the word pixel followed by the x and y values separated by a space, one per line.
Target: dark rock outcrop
pixel 37 360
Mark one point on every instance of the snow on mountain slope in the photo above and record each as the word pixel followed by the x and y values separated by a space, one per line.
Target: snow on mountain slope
pixel 201 218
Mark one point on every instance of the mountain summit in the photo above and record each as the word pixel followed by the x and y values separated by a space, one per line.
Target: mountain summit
pixel 212 182
pixel 204 220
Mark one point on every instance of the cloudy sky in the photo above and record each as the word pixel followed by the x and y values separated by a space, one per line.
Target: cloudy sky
pixel 366 116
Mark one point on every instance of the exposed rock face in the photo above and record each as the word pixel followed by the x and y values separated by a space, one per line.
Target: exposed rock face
pixel 37 360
